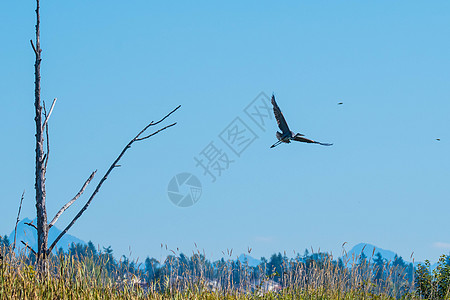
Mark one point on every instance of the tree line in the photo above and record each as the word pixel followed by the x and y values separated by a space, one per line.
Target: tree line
pixel 396 275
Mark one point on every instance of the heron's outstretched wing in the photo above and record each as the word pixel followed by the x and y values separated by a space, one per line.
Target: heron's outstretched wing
pixel 280 119
pixel 300 138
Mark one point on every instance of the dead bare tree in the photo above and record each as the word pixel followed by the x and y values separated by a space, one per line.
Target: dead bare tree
pixel 41 211
pixel 42 156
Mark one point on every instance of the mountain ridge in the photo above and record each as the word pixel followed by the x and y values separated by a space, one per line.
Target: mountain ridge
pixel 28 235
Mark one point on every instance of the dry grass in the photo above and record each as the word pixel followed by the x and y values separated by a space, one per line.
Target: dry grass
pixel 74 279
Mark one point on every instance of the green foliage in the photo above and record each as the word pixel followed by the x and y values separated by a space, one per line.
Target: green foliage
pixel 434 284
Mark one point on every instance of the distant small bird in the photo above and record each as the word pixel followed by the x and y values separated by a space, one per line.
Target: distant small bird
pixel 340 103
pixel 286 135
pixel 438 140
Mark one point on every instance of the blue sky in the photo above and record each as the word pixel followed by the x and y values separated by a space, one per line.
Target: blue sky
pixel 115 67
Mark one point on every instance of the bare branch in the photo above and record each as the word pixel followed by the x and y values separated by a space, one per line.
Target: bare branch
pixel 68 204
pixel 166 116
pixel 47 116
pixel 17 221
pixel 34 48
pixel 112 167
pixel 31 249
pixel 152 134
pixel 46 155
pixel 153 124
pixel 31 224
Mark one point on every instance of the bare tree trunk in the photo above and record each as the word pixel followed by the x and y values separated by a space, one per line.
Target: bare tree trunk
pixel 41 211
pixel 42 156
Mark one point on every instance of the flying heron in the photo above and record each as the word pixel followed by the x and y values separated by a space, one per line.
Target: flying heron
pixel 286 135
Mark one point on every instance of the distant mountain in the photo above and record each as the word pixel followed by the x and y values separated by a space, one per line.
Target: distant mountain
pixel 355 252
pixel 29 235
pixel 247 259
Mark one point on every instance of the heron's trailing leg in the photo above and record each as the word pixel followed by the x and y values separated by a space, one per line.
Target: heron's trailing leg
pixel 276 144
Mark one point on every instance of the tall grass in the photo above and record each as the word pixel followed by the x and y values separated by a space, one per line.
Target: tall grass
pixel 85 278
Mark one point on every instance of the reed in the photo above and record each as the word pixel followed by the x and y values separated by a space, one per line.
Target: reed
pixel 86 278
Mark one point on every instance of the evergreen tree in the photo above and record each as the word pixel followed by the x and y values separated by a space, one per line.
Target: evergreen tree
pixel 378 266
pixel 91 249
pixel 274 267
pixel 340 263
pixel 306 253
pixel 108 259
pixel 362 258
pixel 5 241
pixel 151 268
pixel 184 264
pixel 108 251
